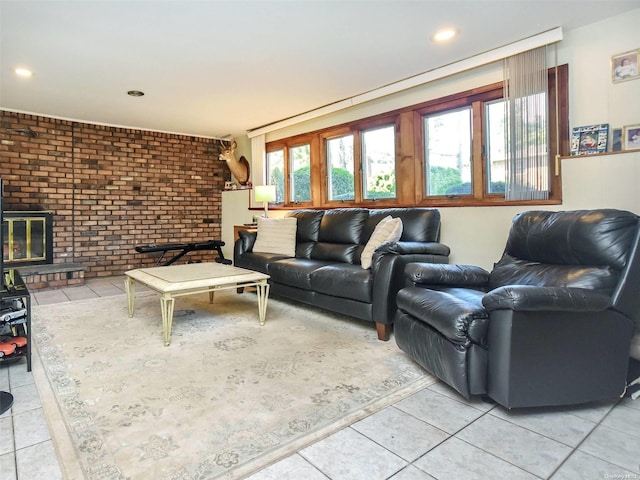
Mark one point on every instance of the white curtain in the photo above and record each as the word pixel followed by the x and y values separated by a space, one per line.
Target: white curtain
pixel 527 126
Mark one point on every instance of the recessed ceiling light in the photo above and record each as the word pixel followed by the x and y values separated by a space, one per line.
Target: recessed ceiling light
pixel 444 34
pixel 135 93
pixel 23 72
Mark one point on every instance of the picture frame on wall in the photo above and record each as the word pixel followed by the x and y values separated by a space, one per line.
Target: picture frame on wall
pixel 631 137
pixel 616 139
pixel 624 66
pixel 590 139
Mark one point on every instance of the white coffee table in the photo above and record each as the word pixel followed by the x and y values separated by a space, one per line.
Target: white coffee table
pixel 188 279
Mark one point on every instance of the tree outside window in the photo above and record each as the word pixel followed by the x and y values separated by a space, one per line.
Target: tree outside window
pixel 340 163
pixel 448 153
pixel 300 161
pixel 379 162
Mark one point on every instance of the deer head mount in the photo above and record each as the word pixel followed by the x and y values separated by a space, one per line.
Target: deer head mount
pixel 239 167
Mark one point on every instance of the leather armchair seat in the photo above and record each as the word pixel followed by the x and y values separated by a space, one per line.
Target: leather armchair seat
pixel 551 324
pixel 326 271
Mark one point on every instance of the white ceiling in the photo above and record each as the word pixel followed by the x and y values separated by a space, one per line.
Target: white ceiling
pixel 218 67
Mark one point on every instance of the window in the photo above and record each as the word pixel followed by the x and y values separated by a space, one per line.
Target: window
pixel 379 162
pixel 533 143
pixel 466 154
pixel 289 168
pixel 447 148
pixel 300 177
pixel 361 163
pixel 275 173
pixel 449 151
pixel 496 146
pixel 340 168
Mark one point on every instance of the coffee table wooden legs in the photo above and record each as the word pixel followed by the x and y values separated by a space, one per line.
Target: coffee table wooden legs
pixel 166 305
pixel 262 290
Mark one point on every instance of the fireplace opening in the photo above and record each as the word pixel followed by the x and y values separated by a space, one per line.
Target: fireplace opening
pixel 28 238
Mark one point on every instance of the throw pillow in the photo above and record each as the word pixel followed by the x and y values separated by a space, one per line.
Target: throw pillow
pixel 276 235
pixel 388 230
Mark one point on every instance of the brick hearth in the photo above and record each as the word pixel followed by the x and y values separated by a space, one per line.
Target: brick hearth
pixel 52 276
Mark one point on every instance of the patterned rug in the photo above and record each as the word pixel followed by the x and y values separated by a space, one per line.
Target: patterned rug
pixel 225 399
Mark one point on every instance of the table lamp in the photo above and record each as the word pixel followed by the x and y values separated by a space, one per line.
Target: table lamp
pixel 265 194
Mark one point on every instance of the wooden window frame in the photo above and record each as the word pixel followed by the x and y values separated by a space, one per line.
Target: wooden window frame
pixel 285 145
pixel 409 145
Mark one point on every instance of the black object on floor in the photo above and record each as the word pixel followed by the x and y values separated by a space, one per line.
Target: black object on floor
pixel 6 400
pixel 183 249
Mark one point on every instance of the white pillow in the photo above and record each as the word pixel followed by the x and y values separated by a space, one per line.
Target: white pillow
pixel 388 230
pixel 276 235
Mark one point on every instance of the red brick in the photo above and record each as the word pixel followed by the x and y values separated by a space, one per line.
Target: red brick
pixel 116 181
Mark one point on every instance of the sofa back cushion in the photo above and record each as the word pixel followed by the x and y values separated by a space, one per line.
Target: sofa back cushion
pixel 511 271
pixel 339 235
pixel 582 248
pixel 418 224
pixel 307 232
pixel 580 237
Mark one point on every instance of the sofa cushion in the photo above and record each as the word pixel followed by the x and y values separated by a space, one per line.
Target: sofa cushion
pixel 260 262
pixel 308 224
pixel 388 230
pixel 345 281
pixel 457 313
pixel 511 271
pixel 339 235
pixel 276 235
pixel 342 225
pixel 294 272
pixel 335 252
pixel 580 237
pixel 307 230
pixel 418 224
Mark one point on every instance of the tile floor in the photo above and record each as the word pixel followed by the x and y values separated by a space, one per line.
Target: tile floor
pixel 432 434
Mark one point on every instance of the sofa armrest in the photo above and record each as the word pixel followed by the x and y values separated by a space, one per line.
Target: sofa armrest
pixel 244 243
pixel 387 270
pixel 468 276
pixel 532 298
pixel 413 248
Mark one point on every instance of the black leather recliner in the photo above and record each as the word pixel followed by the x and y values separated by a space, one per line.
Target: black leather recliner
pixel 551 324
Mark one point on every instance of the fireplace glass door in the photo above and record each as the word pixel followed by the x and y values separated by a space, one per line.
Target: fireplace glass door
pixel 25 238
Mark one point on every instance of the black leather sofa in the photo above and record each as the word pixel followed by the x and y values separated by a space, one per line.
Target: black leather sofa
pixel 551 324
pixel 326 270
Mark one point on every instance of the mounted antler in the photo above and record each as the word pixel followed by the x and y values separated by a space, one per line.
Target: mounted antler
pixel 239 167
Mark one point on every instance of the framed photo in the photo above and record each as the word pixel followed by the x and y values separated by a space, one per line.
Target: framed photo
pixel 624 66
pixel 631 138
pixel 616 139
pixel 590 139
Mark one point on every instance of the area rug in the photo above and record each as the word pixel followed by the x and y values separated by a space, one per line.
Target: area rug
pixel 225 399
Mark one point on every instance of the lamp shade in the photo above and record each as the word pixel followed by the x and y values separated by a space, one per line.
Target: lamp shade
pixel 265 193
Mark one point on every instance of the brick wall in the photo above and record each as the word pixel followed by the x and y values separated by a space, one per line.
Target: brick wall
pixel 111 189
